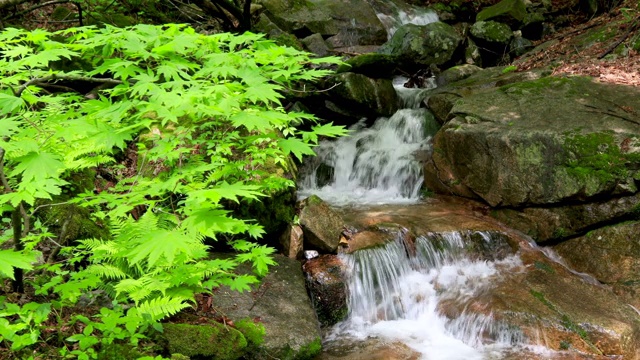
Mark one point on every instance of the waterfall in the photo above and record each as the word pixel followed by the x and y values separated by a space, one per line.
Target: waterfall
pixel 398 292
pixel 394 14
pixel 377 164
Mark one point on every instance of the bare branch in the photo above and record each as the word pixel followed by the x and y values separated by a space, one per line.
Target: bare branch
pixel 66 77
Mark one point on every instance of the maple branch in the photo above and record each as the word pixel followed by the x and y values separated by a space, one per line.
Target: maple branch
pixel 66 77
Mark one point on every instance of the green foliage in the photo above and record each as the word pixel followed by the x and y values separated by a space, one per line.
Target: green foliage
pixel 20 326
pixel 203 116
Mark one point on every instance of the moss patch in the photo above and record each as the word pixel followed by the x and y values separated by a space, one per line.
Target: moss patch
pixel 213 340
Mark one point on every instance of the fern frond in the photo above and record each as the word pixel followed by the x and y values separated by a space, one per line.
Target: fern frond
pixel 107 271
pixel 162 307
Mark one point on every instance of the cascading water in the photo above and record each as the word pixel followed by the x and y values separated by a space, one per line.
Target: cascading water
pixel 376 164
pixel 397 293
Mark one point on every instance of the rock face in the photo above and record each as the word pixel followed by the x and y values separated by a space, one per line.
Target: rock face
pixel 327 287
pixel 320 224
pixel 434 43
pixel 281 304
pixel 541 142
pixel 376 97
pixel 341 22
pixel 611 254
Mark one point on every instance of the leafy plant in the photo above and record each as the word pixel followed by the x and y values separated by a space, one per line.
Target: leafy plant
pixel 201 118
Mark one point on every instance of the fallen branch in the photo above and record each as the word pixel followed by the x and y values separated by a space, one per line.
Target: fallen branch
pixel 53 2
pixel 622 39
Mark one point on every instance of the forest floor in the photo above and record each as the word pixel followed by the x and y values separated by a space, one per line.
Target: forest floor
pixel 602 47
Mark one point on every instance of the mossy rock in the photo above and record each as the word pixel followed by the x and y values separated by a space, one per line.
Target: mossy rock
pixel 210 341
pixel 372 65
pixel 492 32
pixel 512 12
pixel 435 43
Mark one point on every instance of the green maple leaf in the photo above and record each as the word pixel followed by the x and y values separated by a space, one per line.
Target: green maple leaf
pixel 10 259
pixel 38 166
pixel 296 147
pixel 9 103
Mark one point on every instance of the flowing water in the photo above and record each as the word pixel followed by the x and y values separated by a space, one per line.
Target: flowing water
pixel 399 293
pixel 377 164
pixel 424 294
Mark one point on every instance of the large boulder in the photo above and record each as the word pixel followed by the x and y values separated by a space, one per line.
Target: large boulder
pixel 564 151
pixel 423 45
pixel 341 22
pixel 541 142
pixel 364 96
pixel 280 303
pixel 512 12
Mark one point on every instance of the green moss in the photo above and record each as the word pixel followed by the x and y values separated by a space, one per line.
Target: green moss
pixel 510 68
pixel 544 267
pixel 597 155
pixel 213 340
pixel 309 351
pixel 535 86
pixel 289 40
pixel 372 64
pixel 252 331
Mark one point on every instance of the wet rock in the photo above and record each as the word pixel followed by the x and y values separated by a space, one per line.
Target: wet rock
pixel 321 225
pixel 368 239
pixel 370 349
pixel 611 254
pixel 376 97
pixel 281 304
pixel 373 65
pixel 456 73
pixel 292 242
pixel 327 287
pixel 561 310
pixel 434 43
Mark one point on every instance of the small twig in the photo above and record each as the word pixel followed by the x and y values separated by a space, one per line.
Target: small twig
pixel 623 38
pixel 35 7
pixel 611 113
pixel 314 91
pixel 65 77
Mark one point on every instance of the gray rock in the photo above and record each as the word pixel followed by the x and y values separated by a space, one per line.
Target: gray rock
pixel 541 142
pixel 281 304
pixel 321 225
pixel 316 44
pixel 456 73
pixel 376 97
pixel 341 22
pixel 434 43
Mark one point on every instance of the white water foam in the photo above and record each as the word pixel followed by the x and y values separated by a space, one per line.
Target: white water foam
pixel 397 298
pixel 371 166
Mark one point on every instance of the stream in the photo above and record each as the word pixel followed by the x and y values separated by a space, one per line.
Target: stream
pixel 433 295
